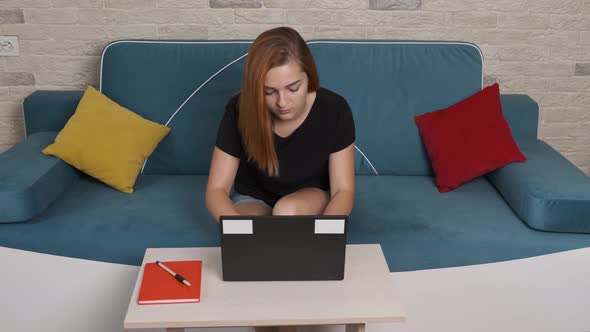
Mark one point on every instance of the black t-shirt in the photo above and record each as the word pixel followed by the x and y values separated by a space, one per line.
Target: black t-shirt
pixel 303 156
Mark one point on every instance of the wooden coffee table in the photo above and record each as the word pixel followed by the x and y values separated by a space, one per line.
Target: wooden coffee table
pixel 366 295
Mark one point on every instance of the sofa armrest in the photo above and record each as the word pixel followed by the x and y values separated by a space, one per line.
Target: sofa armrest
pixel 522 114
pixel 49 110
pixel 29 180
pixel 547 191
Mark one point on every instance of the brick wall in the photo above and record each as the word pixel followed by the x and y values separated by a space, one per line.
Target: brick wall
pixel 537 47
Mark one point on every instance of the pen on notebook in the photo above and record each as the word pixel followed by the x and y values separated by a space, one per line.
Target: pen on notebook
pixel 174 274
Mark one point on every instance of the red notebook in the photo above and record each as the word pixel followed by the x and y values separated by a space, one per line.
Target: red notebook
pixel 160 287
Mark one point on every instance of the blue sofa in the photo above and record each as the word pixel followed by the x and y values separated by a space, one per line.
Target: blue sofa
pixel 521 210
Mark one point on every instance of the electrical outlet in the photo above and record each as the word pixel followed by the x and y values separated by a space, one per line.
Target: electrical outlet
pixel 8 45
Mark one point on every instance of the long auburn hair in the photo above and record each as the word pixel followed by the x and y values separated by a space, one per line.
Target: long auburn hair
pixel 272 48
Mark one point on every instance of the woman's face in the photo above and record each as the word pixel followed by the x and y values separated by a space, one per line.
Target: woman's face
pixel 285 91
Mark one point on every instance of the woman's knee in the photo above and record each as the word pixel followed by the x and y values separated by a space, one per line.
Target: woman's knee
pixel 286 206
pixel 306 201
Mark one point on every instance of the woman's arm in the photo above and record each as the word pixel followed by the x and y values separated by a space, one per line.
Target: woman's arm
pixel 341 168
pixel 221 177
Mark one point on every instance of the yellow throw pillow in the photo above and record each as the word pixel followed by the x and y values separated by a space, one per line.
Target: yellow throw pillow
pixel 107 141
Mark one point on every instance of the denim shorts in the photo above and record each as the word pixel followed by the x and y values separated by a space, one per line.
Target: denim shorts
pixel 238 198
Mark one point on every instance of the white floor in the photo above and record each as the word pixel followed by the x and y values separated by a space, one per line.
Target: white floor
pixel 550 293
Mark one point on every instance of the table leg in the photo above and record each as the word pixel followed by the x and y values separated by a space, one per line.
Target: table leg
pixel 175 329
pixel 355 327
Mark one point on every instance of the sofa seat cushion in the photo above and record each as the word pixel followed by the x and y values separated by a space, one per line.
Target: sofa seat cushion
pixel 97 222
pixel 417 227
pixel 420 228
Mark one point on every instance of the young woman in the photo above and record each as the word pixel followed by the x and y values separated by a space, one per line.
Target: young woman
pixel 285 143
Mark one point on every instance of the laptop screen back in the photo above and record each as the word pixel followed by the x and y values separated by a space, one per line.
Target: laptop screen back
pixel 276 248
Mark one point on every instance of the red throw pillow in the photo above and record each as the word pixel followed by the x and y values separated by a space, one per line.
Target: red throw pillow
pixel 468 139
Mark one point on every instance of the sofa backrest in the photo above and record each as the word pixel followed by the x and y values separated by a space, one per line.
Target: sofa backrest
pixel 186 84
pixel 387 83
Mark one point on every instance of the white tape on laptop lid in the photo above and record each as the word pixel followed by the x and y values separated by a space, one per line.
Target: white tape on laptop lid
pixel 329 226
pixel 237 226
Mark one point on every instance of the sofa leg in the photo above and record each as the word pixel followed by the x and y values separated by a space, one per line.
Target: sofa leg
pixel 355 327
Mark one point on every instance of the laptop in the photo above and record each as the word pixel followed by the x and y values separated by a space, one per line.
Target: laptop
pixel 283 248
